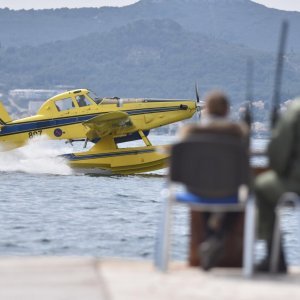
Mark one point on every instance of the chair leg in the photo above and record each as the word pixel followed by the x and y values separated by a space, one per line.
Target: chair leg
pixel 275 247
pixel 249 237
pixel 288 199
pixel 164 239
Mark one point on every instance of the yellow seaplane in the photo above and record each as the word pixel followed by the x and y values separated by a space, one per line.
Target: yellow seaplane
pixel 81 115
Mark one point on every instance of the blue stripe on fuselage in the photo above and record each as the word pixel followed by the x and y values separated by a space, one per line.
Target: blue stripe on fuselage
pixel 9 129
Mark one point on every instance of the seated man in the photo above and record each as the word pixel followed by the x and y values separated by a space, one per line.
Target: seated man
pixel 81 101
pixel 215 121
pixel 284 176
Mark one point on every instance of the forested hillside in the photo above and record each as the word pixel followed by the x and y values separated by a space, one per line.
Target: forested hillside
pixel 154 48
pixel 236 21
pixel 155 58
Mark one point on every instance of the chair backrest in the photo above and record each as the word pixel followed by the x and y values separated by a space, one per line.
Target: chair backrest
pixel 210 164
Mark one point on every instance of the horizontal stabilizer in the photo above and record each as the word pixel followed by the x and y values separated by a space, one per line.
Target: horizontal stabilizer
pixel 4 116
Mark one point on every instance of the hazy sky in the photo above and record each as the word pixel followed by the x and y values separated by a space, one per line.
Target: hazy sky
pixel 40 4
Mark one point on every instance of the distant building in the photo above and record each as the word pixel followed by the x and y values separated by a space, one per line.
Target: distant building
pixel 259 104
pixel 20 96
pixel 28 101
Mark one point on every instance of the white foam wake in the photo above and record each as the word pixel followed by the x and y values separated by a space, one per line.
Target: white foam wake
pixel 39 156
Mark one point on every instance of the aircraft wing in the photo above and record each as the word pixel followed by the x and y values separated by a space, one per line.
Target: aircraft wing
pixel 114 123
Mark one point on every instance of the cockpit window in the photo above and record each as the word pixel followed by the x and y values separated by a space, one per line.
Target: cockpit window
pixel 64 104
pixel 94 97
pixel 82 101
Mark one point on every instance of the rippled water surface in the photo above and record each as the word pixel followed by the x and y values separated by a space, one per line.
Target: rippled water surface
pixel 48 210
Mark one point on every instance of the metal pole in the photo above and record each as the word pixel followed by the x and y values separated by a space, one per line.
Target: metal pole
pixel 278 73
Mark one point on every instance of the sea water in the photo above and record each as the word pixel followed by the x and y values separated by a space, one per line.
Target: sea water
pixel 47 209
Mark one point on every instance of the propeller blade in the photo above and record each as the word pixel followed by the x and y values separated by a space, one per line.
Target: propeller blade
pixel 199 103
pixel 197 93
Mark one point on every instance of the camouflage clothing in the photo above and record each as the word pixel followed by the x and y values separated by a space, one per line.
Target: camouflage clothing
pixel 284 176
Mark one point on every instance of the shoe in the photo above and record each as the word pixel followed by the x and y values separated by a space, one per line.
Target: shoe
pixel 264 267
pixel 210 252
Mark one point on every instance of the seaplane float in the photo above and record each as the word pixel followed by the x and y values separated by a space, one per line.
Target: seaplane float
pixel 106 122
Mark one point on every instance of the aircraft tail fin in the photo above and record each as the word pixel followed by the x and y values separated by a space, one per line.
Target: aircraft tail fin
pixel 4 116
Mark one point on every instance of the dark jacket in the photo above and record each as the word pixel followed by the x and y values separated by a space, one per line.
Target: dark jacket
pixel 284 147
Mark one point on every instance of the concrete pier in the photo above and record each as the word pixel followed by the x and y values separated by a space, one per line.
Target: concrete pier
pixel 78 278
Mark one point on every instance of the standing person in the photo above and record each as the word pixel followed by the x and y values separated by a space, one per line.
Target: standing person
pixel 215 120
pixel 284 176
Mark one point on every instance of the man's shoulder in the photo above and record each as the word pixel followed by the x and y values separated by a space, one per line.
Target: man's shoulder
pixel 292 114
pixel 294 107
pixel 220 127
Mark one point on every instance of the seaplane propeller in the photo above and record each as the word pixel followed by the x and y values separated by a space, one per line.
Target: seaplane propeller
pixel 197 94
pixel 199 103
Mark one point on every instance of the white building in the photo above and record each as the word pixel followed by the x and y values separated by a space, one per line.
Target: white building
pixel 29 100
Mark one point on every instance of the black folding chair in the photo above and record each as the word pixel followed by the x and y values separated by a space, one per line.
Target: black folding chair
pixel 213 168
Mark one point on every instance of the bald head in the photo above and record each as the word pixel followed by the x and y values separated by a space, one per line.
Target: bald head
pixel 217 104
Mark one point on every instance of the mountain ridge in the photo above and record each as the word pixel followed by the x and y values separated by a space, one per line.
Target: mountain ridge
pixel 237 21
pixel 147 58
